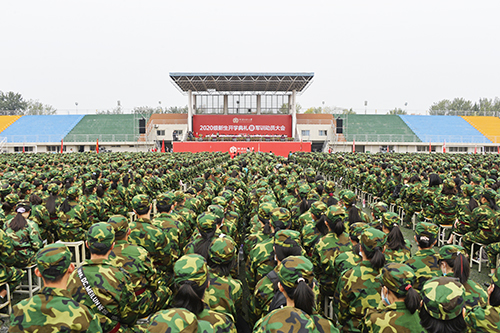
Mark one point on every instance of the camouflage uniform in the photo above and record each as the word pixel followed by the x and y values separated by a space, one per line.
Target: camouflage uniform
pixel 111 285
pixel 390 220
pixel 291 319
pixel 144 233
pixel 207 222
pixel 474 295
pixel 8 273
pixel 442 298
pixel 92 204
pixel 485 319
pixel 310 234
pixel 150 292
pixel 425 262
pixel 40 215
pixel 327 249
pixel 483 225
pixel 395 317
pixel 72 225
pixel 193 268
pixel 224 294
pixel 53 309
pixel 175 321
pixel 464 212
pixel 358 288
pixel 446 206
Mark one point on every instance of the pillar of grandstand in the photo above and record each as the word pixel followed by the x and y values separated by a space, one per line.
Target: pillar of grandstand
pixel 240 107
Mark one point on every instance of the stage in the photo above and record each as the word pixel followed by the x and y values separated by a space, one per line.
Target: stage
pixel 276 147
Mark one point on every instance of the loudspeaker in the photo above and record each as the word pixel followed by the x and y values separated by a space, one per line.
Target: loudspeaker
pixel 142 126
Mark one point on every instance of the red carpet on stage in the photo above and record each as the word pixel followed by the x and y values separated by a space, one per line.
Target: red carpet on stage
pixel 276 147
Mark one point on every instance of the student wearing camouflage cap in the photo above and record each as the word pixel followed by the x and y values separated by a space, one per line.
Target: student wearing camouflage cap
pixel 91 202
pixel 430 192
pixel 333 242
pixel 73 220
pixel 224 293
pixel 40 215
pixel 359 288
pixel 43 312
pixel 454 263
pixel 117 196
pixel 354 214
pixel 446 204
pixel 483 226
pixel 104 288
pixel 443 306
pixel 175 321
pixel 484 319
pixel 208 229
pixel 377 209
pixel 398 313
pixel 296 280
pixel 397 248
pixel 181 209
pixel 24 236
pixel 467 204
pixel 425 261
pixel 171 223
pixel 286 243
pixel 152 292
pixel 191 280
pixel 261 226
pixel 153 239
pixel 311 225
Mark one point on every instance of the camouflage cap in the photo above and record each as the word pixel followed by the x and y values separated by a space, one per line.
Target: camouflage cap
pixel 217 210
pixel 206 221
pixel 294 269
pixel 114 177
pixel 356 229
pixel 329 186
pixel 283 215
pixel 304 189
pixel 54 257
pixel 222 250
pixel 24 186
pixel 378 208
pixel 450 251
pixel 191 267
pixel 371 238
pixel 119 223
pixel 443 298
pixel 426 229
pixel 73 192
pixel 265 210
pixel 53 188
pixel 348 197
pixel 287 238
pixel 141 201
pixel 309 172
pixel 390 220
pixel 318 208
pixel 219 201
pixel 476 179
pixel 100 236
pixel 5 189
pixel 165 199
pixel 468 190
pixel 490 182
pixel 449 183
pixel 90 183
pixel 489 194
pixel 179 196
pixel 398 278
pixel 12 199
pixel 334 213
pixel 177 320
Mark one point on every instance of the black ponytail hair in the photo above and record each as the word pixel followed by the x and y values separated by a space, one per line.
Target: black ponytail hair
pixel 338 226
pixel 495 296
pixel 460 266
pixel 395 239
pixel 426 242
pixel 320 225
pixel 35 200
pixel 267 226
pixel 433 325
pixel 18 222
pixel 412 299
pixel 376 257
pixel 114 184
pixel 190 296
pixel 353 215
pixel 51 203
pixel 302 295
pixel 203 245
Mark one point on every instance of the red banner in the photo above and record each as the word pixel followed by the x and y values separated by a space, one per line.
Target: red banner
pixel 276 147
pixel 260 125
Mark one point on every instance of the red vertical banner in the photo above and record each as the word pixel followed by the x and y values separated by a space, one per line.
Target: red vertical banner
pixel 444 146
pixel 162 146
pixel 62 146
pixel 23 147
pixel 353 145
pixel 97 146
pixel 475 149
pixel 430 147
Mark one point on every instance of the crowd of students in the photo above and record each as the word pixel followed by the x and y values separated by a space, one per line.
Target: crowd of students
pixel 201 242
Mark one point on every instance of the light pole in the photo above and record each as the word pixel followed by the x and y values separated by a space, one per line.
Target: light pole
pixel 76 105
pixel 366 104
pixel 323 109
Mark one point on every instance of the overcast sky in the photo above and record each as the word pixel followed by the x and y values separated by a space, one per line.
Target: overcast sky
pixel 384 52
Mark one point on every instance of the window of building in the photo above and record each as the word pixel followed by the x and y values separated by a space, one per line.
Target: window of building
pixel 20 149
pixel 323 133
pixel 160 132
pixel 458 149
pixel 491 149
pixel 306 133
pixel 425 149
pixel 55 148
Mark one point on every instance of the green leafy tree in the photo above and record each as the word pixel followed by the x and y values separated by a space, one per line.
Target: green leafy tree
pixel 12 103
pixel 175 109
pixel 116 110
pixel 34 107
pixel 348 111
pixel 314 110
pixel 284 108
pixel 397 111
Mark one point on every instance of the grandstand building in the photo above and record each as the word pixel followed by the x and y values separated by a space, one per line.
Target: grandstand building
pixel 237 112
